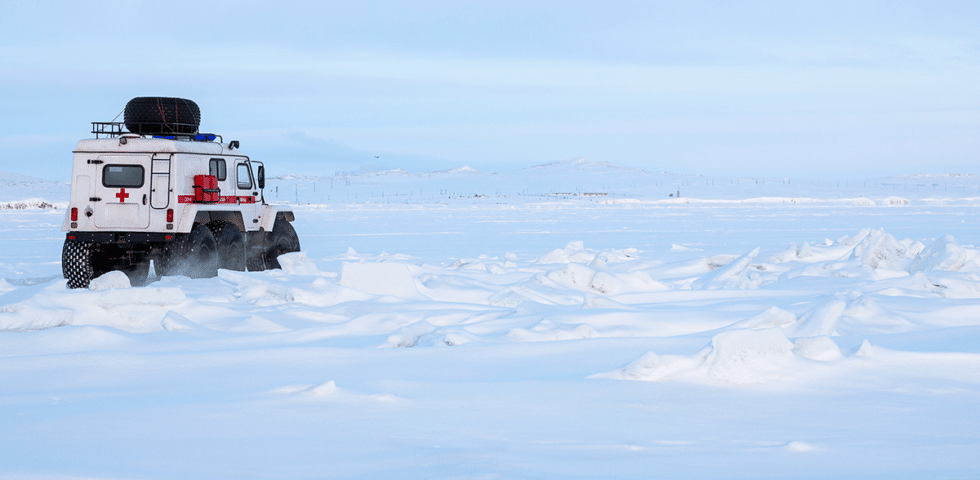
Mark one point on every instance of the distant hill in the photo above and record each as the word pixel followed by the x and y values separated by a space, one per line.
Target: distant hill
pixel 16 187
pixel 569 180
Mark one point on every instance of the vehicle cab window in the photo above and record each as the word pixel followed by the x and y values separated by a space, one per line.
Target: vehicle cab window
pixel 244 176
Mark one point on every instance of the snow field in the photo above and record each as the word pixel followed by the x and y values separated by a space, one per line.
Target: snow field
pixel 544 339
pixel 565 294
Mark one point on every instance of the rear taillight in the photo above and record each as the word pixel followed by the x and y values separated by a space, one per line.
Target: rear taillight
pixel 170 215
pixel 74 214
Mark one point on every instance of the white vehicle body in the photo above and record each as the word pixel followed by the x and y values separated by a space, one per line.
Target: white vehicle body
pixel 183 201
pixel 107 202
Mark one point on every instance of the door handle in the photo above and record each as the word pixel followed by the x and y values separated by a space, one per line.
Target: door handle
pixel 144 199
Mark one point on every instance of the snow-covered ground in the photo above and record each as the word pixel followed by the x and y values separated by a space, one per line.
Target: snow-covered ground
pixel 570 320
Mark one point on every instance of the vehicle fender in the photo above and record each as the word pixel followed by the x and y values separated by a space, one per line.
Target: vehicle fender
pixel 267 217
pixel 270 214
pixel 187 216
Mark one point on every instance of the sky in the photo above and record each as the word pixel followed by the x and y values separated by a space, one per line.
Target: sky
pixel 783 89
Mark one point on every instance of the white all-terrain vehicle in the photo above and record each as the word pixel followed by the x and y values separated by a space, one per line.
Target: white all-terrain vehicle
pixel 164 192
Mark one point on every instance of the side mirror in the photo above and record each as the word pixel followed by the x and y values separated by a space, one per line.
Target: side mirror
pixel 261 176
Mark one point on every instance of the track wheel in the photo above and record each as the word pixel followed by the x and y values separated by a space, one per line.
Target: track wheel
pixel 231 245
pixel 282 240
pixel 194 255
pixel 255 250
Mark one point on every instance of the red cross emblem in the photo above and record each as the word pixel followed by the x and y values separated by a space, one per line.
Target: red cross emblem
pixel 122 195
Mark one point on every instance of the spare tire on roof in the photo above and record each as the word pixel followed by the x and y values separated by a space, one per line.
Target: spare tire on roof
pixel 162 115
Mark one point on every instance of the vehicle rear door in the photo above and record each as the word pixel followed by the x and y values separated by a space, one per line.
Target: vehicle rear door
pixel 81 187
pixel 122 188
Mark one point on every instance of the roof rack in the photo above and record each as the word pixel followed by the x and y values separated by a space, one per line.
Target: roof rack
pixel 115 129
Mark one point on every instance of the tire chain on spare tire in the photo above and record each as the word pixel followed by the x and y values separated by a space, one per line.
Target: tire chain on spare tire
pixel 162 115
pixel 76 263
pixel 282 239
pixel 225 234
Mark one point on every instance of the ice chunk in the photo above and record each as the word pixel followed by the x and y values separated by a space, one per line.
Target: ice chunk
pixel 606 283
pixel 455 339
pixel 573 252
pixel 297 263
pixel 786 256
pixel 914 249
pixel 851 241
pixel 955 284
pixel 864 316
pixel 496 269
pixel 880 250
pixel 583 278
pixel 820 320
pixel 507 297
pixel 651 367
pixel 113 279
pixel 732 275
pixel 943 254
pixel 748 356
pixel 574 275
pixel 737 356
pixel 409 335
pixel 806 251
pixel 817 348
pixel 794 253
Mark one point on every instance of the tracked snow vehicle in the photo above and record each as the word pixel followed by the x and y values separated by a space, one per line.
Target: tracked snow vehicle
pixel 162 191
